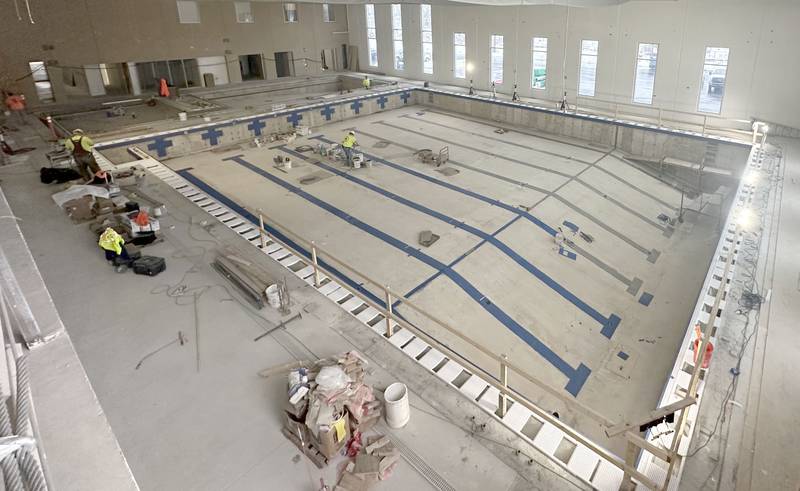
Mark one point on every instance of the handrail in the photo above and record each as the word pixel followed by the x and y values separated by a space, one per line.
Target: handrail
pixel 502 386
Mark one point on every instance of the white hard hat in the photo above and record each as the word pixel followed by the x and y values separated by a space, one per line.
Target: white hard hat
pixel 352 132
pixel 77 130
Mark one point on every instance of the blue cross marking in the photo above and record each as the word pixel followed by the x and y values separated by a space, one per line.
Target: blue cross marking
pixel 256 126
pixel 212 135
pixel 356 106
pixel 382 100
pixel 294 118
pixel 160 145
pixel 328 111
pixel 405 96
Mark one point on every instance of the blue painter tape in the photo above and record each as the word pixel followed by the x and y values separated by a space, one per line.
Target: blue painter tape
pixel 577 376
pixel 571 226
pixel 539 274
pixel 623 355
pixel 536 221
pixel 567 254
pixel 197 182
pixel 610 326
pixel 645 299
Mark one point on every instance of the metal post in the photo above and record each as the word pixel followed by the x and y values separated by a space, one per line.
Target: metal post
pixel 316 265
pixel 705 123
pixel 261 230
pixel 389 313
pixel 503 399
pixel 660 120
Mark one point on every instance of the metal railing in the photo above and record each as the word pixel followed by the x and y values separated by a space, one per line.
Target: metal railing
pixel 21 458
pixel 500 382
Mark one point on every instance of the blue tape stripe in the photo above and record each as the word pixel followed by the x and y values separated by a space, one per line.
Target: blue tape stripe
pixel 197 182
pixel 521 261
pixel 577 376
pixel 547 228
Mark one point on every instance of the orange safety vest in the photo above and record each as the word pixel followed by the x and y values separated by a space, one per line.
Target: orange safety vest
pixel 15 103
pixel 163 90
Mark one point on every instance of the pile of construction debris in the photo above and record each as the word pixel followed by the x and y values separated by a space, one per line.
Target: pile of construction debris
pixel 330 407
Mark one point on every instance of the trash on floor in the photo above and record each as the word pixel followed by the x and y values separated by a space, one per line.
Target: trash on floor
pixel 328 401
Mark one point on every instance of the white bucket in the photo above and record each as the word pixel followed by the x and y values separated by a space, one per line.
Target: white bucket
pixel 182 116
pixel 397 409
pixel 273 298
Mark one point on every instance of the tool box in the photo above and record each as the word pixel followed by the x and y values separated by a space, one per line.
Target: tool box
pixel 149 265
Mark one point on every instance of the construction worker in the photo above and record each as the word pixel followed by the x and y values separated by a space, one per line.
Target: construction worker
pixel 81 147
pixel 15 104
pixel 366 83
pixel 113 245
pixel 347 145
pixel 163 88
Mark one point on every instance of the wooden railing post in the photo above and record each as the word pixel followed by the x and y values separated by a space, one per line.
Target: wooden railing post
pixel 261 230
pixel 389 328
pixel 315 264
pixel 503 399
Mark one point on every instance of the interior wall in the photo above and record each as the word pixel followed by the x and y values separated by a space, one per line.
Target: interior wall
pixel 762 37
pixel 74 34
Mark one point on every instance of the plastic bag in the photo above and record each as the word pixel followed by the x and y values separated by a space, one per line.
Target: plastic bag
pixel 333 378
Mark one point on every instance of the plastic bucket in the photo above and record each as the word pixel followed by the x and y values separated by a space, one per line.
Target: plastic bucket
pixel 273 298
pixel 397 409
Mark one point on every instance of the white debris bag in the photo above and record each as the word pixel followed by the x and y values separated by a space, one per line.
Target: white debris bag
pixel 78 191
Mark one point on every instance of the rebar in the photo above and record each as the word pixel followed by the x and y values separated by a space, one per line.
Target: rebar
pixel 22 418
pixel 31 470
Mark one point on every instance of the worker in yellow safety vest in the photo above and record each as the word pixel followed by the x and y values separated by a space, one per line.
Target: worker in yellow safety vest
pixel 366 83
pixel 81 147
pixel 113 245
pixel 347 145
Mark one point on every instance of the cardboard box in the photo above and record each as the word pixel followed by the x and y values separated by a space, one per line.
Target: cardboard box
pixel 331 440
pixel 80 209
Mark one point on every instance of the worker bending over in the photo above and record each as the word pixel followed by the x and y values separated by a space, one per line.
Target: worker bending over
pixel 347 145
pixel 81 147
pixel 113 245
pixel 366 83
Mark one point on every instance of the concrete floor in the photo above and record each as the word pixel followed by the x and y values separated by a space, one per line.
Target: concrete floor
pixel 197 416
pixel 493 258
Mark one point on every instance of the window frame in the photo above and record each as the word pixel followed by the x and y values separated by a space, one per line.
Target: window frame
pixel 286 11
pixel 328 14
pixel 422 31
pixel 398 62
pixel 534 50
pixel 702 79
pixel 236 6
pixel 372 42
pixel 195 7
pixel 636 73
pixel 596 57
pixel 455 61
pixel 492 51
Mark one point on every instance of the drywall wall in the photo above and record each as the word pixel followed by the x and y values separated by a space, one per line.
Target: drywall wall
pixel 115 31
pixel 762 37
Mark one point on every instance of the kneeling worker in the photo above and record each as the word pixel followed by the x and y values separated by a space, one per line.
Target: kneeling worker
pixel 347 145
pixel 113 245
pixel 81 147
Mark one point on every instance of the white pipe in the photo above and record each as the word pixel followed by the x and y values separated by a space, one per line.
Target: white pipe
pixel 398 411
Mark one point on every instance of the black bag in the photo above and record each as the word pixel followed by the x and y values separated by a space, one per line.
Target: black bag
pixel 49 175
pixel 132 257
pixel 149 265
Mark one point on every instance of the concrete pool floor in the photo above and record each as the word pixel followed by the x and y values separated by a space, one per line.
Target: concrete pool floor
pixel 602 327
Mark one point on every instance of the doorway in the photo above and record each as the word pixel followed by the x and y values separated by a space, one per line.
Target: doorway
pixel 284 63
pixel 251 68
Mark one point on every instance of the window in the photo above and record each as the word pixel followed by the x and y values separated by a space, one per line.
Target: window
pixel 290 12
pixel 588 75
pixel 327 13
pixel 188 12
pixel 459 55
pixel 497 59
pixel 715 69
pixel 646 61
pixel 243 13
pixel 539 63
pixel 397 35
pixel 372 40
pixel 426 25
pixel 41 80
